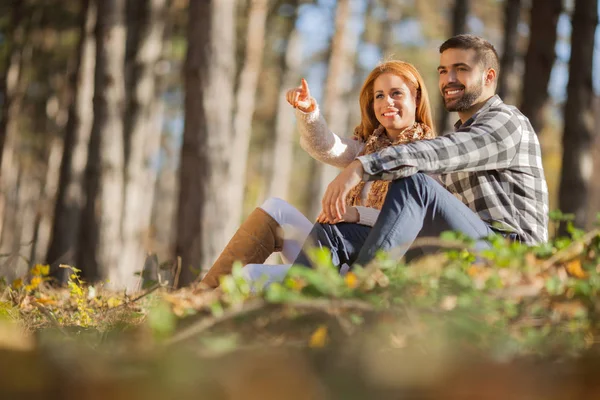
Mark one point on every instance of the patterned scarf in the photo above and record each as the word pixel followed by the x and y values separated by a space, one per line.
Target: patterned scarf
pixel 377 141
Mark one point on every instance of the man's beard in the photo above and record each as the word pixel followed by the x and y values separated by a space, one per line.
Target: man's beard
pixel 466 100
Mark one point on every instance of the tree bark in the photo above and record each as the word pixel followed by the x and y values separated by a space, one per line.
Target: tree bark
pixel 142 137
pixel 539 59
pixel 577 162
pixel 100 229
pixel 337 87
pixel 202 215
pixel 11 76
pixel 245 105
pixel 512 13
pixel 284 122
pixel 460 12
pixel 70 197
pixel 10 168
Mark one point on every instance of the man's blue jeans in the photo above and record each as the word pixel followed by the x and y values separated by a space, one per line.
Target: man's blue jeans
pixel 416 206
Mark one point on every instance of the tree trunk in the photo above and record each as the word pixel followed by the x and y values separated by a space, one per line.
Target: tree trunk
pixel 291 62
pixel 44 217
pixel 245 104
pixel 100 230
pixel 460 12
pixel 70 197
pixel 539 59
pixel 11 77
pixel 203 211
pixel 577 162
pixel 10 168
pixel 337 87
pixel 512 13
pixel 142 135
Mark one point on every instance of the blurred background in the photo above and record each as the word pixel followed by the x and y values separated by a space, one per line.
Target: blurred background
pixel 136 127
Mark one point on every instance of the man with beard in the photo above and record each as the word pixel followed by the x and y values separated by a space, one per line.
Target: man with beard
pixel 490 169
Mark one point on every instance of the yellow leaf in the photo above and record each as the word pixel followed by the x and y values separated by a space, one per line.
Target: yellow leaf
pixel 45 300
pixel 319 337
pixel 113 302
pixel 574 268
pixel 35 282
pixel 17 284
pixel 296 284
pixel 40 270
pixel 351 280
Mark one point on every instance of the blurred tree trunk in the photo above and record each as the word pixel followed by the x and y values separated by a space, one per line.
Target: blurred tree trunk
pixel 539 59
pixel 460 12
pixel 142 136
pixel 512 13
pixel 12 72
pixel 100 229
pixel 203 212
pixel 245 105
pixel 70 197
pixel 577 162
pixel 290 63
pixel 19 60
pixel 335 104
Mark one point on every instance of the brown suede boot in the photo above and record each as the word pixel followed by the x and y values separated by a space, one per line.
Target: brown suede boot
pixel 256 239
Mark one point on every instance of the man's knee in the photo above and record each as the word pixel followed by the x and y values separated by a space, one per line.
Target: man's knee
pixel 417 182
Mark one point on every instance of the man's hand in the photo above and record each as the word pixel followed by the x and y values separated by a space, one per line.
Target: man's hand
pixel 300 98
pixel 351 216
pixel 334 200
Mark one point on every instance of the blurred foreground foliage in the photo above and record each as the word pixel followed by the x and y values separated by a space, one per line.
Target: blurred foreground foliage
pixel 389 328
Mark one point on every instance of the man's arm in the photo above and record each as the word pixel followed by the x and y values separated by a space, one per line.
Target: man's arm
pixel 491 142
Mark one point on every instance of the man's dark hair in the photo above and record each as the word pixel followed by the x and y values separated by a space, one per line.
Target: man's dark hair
pixel 486 53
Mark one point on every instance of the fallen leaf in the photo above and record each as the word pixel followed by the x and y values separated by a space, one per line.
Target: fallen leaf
pixel 351 280
pixel 319 337
pixel 574 268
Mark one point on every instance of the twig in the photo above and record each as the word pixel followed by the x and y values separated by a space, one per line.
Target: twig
pixel 146 293
pixel 207 323
pixel 326 305
pixel 51 317
pixel 568 251
pixel 177 272
pixel 141 296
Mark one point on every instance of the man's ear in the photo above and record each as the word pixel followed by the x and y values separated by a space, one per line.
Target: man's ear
pixel 490 76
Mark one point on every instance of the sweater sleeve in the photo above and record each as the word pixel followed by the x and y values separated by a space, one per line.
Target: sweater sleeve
pixel 367 215
pixel 322 144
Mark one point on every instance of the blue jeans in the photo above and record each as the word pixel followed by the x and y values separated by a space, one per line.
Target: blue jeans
pixel 415 206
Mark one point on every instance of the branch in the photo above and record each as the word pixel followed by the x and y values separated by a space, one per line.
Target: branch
pixel 207 323
pixel 572 250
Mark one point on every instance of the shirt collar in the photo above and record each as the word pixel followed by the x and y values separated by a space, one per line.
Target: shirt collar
pixel 492 101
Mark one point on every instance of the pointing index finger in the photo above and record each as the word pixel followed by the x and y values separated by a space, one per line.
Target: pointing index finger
pixel 305 87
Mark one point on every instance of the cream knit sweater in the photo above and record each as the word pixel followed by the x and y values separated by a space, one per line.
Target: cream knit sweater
pixel 324 145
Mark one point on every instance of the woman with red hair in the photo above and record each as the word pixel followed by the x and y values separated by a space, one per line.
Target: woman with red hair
pixel 395 109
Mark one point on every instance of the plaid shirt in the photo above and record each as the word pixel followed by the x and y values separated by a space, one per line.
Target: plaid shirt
pixel 492 163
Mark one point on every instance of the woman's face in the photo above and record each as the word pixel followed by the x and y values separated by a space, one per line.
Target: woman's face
pixel 394 104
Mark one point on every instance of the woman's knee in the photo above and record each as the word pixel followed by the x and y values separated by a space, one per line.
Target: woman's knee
pixel 276 208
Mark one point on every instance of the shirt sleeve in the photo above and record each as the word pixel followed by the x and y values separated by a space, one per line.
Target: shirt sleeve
pixel 490 142
pixel 367 215
pixel 322 144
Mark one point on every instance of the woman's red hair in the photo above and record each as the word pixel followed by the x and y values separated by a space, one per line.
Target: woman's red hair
pixel 416 85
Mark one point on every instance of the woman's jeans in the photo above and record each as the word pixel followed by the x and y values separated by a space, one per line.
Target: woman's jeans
pixel 415 206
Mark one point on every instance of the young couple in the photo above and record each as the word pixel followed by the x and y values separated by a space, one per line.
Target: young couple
pixel 489 170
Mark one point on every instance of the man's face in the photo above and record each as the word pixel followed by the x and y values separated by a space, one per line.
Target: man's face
pixel 461 79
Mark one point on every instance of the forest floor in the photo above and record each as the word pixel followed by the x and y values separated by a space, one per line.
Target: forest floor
pixel 512 322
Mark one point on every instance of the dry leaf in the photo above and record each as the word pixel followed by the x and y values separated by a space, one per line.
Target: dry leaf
pixel 574 268
pixel 351 280
pixel 319 337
